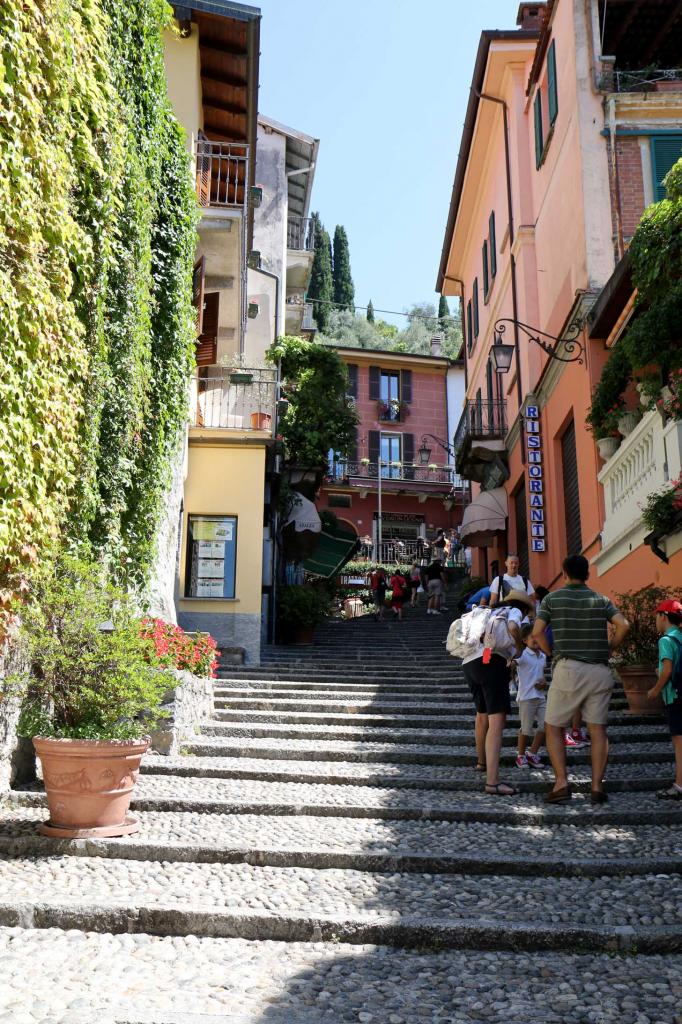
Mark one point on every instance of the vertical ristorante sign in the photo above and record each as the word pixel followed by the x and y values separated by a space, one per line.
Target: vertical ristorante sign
pixel 536 483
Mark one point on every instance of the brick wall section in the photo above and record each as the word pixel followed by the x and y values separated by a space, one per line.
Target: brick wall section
pixel 631 183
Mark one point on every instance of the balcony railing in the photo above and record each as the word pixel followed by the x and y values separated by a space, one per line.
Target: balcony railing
pixel 485 420
pixel 645 80
pixel 240 400
pixel 300 234
pixel 440 478
pixel 403 552
pixel 222 174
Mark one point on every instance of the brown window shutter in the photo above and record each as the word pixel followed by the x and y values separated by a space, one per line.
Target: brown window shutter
pixel 408 454
pixel 198 293
pixel 374 444
pixel 375 383
pixel 207 343
pixel 406 386
pixel 569 459
pixel 352 379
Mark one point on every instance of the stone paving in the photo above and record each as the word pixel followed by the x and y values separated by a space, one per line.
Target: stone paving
pixel 324 852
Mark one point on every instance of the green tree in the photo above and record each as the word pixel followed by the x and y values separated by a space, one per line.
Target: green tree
pixel 370 312
pixel 344 292
pixel 321 288
pixel 443 312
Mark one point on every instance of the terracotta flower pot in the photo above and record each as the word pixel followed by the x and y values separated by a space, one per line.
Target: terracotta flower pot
pixel 89 785
pixel 637 680
pixel 261 420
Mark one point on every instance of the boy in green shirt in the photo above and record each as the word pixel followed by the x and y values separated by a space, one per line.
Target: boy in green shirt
pixel 669 684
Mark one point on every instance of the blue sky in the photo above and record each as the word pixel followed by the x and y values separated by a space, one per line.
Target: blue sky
pixel 384 85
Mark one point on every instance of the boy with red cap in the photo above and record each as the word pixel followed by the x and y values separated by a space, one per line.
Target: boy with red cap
pixel 669 684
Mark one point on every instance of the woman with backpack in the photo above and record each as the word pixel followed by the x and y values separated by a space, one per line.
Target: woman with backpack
pixel 487 671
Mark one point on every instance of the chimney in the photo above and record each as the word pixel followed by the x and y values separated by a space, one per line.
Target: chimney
pixel 531 16
pixel 437 345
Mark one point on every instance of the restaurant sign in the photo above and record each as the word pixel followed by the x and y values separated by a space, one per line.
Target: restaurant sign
pixel 536 483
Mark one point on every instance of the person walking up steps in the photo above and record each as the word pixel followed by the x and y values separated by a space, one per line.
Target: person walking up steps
pixel 378 586
pixel 582 679
pixel 435 586
pixel 669 683
pixel 532 700
pixel 399 588
pixel 510 580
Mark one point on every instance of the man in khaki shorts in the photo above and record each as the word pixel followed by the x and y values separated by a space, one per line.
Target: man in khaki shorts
pixel 582 679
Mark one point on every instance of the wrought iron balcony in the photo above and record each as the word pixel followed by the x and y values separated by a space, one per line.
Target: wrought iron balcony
pixel 240 399
pixel 222 174
pixel 300 234
pixel 480 432
pixel 644 80
pixel 442 479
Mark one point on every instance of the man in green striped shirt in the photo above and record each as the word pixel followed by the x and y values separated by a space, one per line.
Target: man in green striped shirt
pixel 582 679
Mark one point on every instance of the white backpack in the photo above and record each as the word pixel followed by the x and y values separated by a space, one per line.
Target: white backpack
pixel 497 635
pixel 464 635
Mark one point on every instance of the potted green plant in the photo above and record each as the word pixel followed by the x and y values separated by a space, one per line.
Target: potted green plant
pixel 300 610
pixel 92 689
pixel 636 660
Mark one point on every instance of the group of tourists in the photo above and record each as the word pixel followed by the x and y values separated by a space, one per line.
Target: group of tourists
pixel 576 630
pixel 430 579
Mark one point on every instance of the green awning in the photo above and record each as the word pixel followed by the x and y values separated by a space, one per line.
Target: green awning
pixel 335 548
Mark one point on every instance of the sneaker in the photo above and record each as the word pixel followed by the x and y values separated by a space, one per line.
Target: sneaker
pixel 534 761
pixel 444 609
pixel 521 761
pixel 435 612
pixel 569 742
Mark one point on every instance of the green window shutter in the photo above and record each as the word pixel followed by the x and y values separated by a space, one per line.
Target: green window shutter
pixel 475 299
pixel 666 150
pixel 552 97
pixel 470 331
pixel 486 280
pixel 492 244
pixel 537 109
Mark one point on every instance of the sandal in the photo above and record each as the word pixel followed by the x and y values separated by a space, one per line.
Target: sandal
pixel 674 793
pixel 558 796
pixel 494 789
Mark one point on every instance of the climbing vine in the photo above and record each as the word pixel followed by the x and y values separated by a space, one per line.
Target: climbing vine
pixel 97 235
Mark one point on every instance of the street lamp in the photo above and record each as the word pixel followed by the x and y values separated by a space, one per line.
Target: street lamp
pixel 425 451
pixel 573 349
pixel 501 356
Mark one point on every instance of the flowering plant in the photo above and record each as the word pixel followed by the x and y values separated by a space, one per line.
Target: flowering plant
pixel 196 652
pixel 670 402
pixel 662 509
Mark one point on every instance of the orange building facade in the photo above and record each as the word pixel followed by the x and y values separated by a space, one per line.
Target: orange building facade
pixel 561 153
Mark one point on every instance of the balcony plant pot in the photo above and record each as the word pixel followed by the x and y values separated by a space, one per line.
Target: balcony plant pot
pixel 637 680
pixel 607 447
pixel 89 786
pixel 627 422
pixel 261 421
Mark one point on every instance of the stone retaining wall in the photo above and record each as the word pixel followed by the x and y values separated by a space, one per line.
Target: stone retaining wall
pixel 17 760
pixel 188 704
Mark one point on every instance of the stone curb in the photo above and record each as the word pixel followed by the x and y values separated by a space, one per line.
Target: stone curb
pixel 385 862
pixel 406 932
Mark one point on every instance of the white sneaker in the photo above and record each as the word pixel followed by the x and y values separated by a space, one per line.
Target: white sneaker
pixel 435 612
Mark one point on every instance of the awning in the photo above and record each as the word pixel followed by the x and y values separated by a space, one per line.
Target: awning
pixel 335 548
pixel 485 517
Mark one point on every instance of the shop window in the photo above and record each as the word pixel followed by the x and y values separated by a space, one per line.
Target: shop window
pixel 211 557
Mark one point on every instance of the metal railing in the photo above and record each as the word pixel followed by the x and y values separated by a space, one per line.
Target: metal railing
pixel 480 420
pixel 406 551
pixel 643 80
pixel 222 173
pixel 439 477
pixel 300 233
pixel 241 399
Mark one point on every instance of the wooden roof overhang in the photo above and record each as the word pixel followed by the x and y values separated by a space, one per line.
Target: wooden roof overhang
pixel 642 32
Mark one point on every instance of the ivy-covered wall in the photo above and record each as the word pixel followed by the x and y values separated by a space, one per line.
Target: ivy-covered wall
pixel 97 238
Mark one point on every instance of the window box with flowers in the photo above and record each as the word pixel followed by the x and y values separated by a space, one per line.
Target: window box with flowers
pixel 393 411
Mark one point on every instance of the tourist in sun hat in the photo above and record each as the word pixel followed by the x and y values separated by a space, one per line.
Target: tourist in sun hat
pixel 669 683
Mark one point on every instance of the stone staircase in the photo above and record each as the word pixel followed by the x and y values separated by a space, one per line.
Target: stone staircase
pixel 323 852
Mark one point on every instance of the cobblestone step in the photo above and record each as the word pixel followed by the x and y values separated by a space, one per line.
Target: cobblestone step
pixel 222 796
pixel 620 777
pixel 189 980
pixel 304 904
pixel 526 848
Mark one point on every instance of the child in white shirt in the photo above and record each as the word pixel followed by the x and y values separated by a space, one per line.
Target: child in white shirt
pixel 532 701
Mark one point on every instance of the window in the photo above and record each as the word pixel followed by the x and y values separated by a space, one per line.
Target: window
pixel 352 379
pixel 390 452
pixel 475 301
pixel 470 332
pixel 389 387
pixel 539 140
pixel 340 501
pixel 552 98
pixel 569 460
pixel 211 556
pixel 492 244
pixel 486 279
pixel 666 150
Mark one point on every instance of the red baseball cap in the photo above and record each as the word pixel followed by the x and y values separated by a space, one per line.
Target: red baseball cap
pixel 670 606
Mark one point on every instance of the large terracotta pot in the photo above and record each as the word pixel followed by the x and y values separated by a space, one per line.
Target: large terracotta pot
pixel 637 680
pixel 89 785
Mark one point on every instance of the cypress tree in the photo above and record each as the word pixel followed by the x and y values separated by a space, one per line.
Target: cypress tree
pixel 344 292
pixel 370 312
pixel 443 313
pixel 321 288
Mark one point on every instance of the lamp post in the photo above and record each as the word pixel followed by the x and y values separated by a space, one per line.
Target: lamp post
pixel 424 451
pixel 573 350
